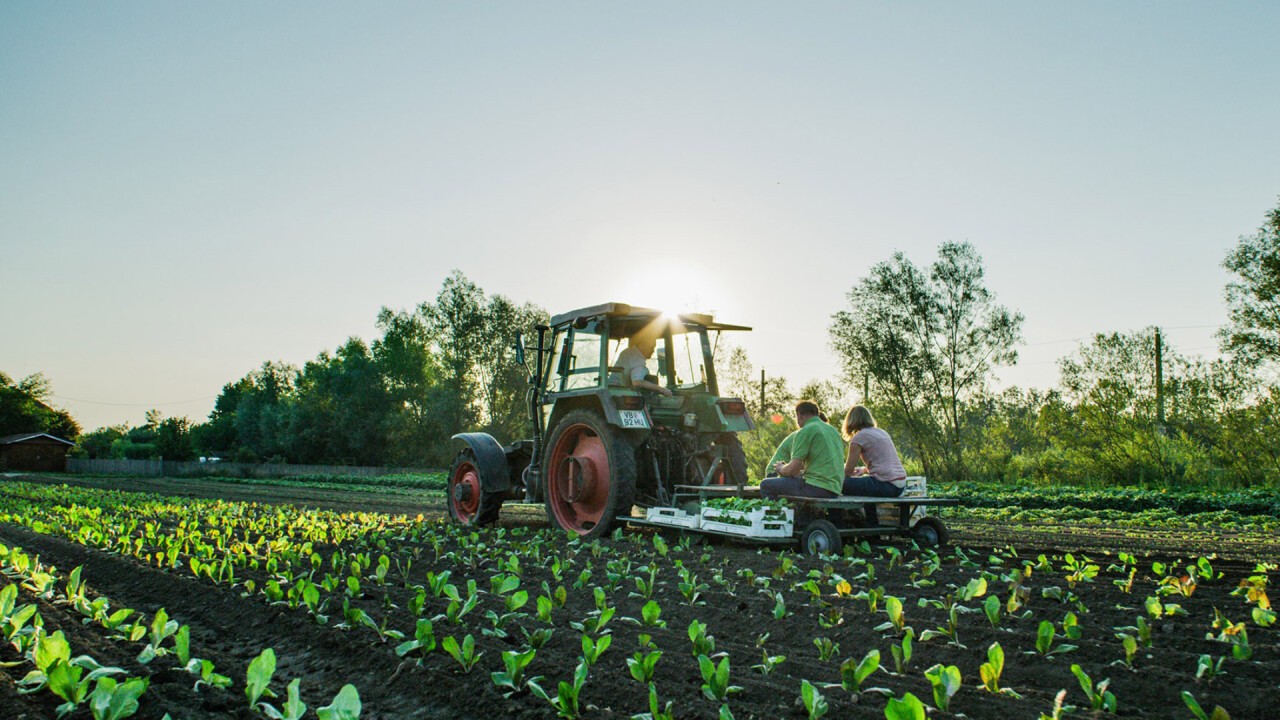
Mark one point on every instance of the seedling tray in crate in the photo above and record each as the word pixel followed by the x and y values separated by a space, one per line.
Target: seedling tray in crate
pixel 674 517
pixel 755 523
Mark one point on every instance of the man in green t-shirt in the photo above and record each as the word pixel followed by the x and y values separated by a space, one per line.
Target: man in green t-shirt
pixel 816 465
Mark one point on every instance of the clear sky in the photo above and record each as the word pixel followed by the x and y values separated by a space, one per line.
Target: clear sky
pixel 190 189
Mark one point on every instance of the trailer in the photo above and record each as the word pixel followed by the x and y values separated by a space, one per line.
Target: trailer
pixel 816 526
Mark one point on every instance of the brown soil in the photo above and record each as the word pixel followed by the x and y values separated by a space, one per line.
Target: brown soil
pixel 231 628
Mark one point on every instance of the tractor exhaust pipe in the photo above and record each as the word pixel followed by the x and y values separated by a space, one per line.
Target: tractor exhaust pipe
pixel 533 473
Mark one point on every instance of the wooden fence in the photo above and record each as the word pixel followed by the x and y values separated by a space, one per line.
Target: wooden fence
pixel 170 468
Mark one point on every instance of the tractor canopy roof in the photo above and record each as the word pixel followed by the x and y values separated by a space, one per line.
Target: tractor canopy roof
pixel 628 319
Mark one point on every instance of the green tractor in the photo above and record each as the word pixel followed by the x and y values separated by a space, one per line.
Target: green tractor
pixel 604 440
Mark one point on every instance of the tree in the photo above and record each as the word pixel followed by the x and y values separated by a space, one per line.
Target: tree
pixel 410 373
pixel 929 343
pixel 173 439
pixel 502 382
pixel 457 323
pixel 773 421
pixel 342 406
pixel 24 408
pixel 264 416
pixel 1252 333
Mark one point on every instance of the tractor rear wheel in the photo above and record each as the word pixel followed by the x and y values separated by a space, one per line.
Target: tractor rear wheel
pixel 590 474
pixel 469 504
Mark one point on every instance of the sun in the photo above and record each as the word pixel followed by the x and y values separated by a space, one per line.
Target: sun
pixel 673 289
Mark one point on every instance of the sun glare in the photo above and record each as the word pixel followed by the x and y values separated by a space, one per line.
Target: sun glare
pixel 673 289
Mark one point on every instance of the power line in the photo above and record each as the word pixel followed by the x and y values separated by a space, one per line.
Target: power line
pixel 146 405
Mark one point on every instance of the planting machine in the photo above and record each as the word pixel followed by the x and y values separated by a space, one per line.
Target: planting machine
pixel 602 445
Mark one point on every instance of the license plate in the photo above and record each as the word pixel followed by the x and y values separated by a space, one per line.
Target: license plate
pixel 634 419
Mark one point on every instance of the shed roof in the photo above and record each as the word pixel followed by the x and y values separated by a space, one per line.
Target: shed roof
pixel 25 437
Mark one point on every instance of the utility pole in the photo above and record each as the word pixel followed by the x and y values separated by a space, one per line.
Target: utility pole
pixel 762 393
pixel 1159 383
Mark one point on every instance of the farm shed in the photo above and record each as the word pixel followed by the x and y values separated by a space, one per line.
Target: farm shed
pixel 34 451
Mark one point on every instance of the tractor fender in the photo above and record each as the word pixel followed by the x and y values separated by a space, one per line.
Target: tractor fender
pixel 491 461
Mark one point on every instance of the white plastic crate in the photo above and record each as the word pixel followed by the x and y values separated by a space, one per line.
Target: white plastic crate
pixel 764 522
pixel 917 486
pixel 674 517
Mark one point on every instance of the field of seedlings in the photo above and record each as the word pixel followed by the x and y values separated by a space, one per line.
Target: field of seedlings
pixel 118 604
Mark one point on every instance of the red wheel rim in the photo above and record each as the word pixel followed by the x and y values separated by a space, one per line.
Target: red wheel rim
pixel 578 486
pixel 464 492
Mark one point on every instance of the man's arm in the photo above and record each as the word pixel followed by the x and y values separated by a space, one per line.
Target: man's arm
pixel 646 385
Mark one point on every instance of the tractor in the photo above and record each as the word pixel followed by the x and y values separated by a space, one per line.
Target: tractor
pixel 602 441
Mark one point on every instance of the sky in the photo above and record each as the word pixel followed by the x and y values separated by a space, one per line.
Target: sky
pixel 188 190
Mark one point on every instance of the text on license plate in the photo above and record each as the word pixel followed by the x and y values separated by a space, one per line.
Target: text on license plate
pixel 633 419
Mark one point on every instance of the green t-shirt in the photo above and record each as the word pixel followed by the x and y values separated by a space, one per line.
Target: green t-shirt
pixel 822 449
pixel 782 454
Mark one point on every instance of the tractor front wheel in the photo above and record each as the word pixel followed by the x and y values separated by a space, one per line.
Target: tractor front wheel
pixel 469 504
pixel 590 475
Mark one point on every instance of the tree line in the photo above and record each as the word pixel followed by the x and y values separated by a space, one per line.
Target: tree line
pixel 918 344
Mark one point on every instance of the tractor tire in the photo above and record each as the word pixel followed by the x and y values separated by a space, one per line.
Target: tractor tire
pixel 736 460
pixel 929 532
pixel 469 503
pixel 590 475
pixel 820 537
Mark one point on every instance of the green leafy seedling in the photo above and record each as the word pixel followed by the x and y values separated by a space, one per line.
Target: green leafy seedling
pixel 814 703
pixel 945 680
pixel 345 705
pixel 642 665
pixel 258 677
pixel 908 707
pixel 465 653
pixel 715 678
pixel 114 701
pixel 1100 698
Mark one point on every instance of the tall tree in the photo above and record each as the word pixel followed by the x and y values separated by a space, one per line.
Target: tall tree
pixel 929 342
pixel 410 372
pixel 457 321
pixel 502 382
pixel 1252 332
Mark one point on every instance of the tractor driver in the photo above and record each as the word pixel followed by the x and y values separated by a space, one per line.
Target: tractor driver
pixel 634 363
pixel 817 459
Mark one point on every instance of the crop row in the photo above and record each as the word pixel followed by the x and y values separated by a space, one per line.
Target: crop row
pixel 83 680
pixel 450 597
pixel 1264 502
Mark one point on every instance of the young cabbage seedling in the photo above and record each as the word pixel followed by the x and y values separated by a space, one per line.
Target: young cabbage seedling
pixel 1099 697
pixel 345 705
pixel 465 654
pixel 715 678
pixel 814 703
pixel 908 707
pixel 945 680
pixel 513 677
pixel 642 665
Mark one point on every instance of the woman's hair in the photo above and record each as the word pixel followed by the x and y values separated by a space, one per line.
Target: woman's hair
pixel 809 407
pixel 859 418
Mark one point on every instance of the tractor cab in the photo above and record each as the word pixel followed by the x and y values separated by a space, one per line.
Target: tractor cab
pixel 604 440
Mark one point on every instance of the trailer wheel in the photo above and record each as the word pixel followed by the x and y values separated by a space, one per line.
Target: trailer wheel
pixel 590 475
pixel 929 532
pixel 820 537
pixel 469 504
